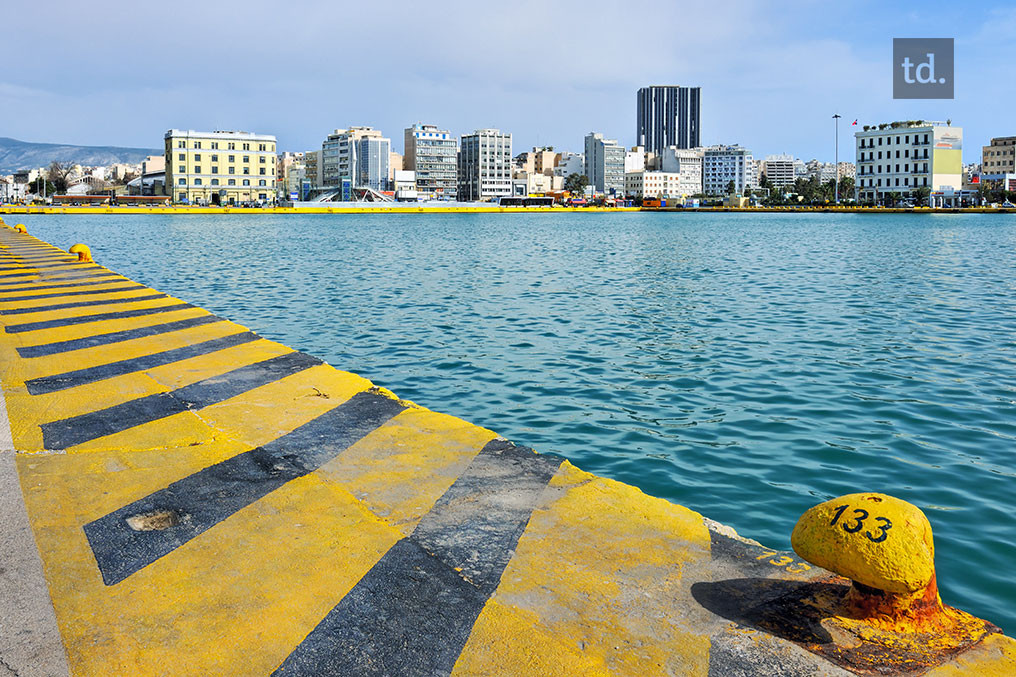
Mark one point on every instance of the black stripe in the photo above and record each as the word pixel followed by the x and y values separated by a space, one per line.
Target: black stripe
pixel 50 278
pixel 93 425
pixel 412 613
pixel 85 319
pixel 35 287
pixel 39 259
pixel 116 290
pixel 72 379
pixel 81 304
pixel 209 496
pixel 115 337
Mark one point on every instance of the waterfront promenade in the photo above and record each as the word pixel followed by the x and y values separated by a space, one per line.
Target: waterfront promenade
pixel 454 208
pixel 187 497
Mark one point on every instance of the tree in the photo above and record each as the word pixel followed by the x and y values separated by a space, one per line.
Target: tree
pixel 846 188
pixel 731 187
pixel 37 187
pixel 921 196
pixel 576 183
pixel 57 174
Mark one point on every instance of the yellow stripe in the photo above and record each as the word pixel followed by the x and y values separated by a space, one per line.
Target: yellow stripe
pixel 58 334
pixel 64 313
pixel 584 588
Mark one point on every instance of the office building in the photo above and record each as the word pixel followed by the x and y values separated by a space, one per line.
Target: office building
pixel 900 157
pixel 570 163
pixel 220 167
pixel 668 116
pixel 357 157
pixel 485 165
pixel 431 153
pixel 604 164
pixel 723 164
pixel 781 170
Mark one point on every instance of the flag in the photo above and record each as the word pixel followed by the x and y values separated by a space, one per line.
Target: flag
pixel 854 123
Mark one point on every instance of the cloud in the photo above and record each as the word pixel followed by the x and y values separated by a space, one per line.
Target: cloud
pixel 772 73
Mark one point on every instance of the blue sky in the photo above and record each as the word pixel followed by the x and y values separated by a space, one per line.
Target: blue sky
pixel 772 74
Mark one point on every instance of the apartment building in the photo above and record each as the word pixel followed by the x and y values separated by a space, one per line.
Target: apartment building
pixel 604 160
pixel 723 164
pixel 485 165
pixel 900 157
pixel 999 157
pixel 220 168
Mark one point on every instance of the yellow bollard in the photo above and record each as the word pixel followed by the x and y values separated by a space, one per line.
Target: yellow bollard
pixel 20 228
pixel 874 539
pixel 83 252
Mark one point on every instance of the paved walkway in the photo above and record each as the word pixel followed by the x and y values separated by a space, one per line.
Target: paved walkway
pixel 205 501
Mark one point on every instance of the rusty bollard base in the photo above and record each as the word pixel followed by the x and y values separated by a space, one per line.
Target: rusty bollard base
pixel 883 610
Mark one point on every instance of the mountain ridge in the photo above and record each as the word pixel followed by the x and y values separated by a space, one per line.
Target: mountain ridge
pixel 16 154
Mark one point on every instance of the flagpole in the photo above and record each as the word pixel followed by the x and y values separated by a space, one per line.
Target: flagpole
pixel 836 156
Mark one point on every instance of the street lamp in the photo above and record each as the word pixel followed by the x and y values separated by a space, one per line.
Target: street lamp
pixel 836 156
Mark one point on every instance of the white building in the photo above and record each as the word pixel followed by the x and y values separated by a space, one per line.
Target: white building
pixel 687 163
pixel 824 172
pixel 570 163
pixel 655 184
pixel 723 164
pixel 900 157
pixel 780 170
pixel 635 160
pixel 536 183
pixel 604 164
pixel 485 165
pixel 357 157
pixel 431 153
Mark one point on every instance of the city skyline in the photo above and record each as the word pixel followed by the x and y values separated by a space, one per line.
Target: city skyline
pixel 771 78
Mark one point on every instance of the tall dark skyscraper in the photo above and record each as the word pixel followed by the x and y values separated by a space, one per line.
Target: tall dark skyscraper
pixel 668 116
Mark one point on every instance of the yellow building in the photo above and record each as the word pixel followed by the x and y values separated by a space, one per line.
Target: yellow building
pixel 220 168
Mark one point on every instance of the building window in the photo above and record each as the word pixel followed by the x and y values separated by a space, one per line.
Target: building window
pixel 215 158
pixel 197 169
pixel 262 171
pixel 232 158
pixel 231 146
pixel 181 144
pixel 197 157
pixel 215 182
pixel 261 146
pixel 215 170
pixel 246 182
pixel 183 169
pixel 246 146
pixel 232 182
pixel 262 183
pixel 181 182
pixel 197 182
pixel 246 158
pixel 197 144
pixel 180 156
pixel 215 145
pixel 246 170
pixel 262 196
pixel 183 196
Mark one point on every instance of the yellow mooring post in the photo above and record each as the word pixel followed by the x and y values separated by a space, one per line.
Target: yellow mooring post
pixel 83 252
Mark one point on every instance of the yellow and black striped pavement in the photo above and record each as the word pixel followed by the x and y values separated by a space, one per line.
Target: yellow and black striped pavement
pixel 208 502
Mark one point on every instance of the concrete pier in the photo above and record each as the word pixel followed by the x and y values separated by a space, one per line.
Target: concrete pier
pixel 184 497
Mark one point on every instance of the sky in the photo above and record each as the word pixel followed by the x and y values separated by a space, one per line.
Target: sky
pixel 772 73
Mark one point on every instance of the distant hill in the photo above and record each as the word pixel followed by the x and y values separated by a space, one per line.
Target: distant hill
pixel 15 155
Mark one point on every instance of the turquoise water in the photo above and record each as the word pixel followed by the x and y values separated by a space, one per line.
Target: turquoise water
pixel 747 366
